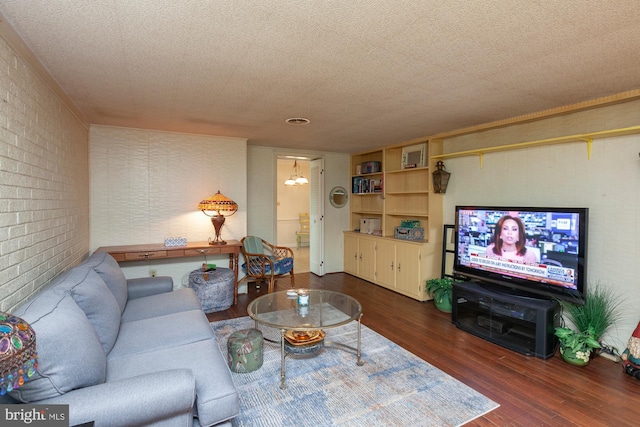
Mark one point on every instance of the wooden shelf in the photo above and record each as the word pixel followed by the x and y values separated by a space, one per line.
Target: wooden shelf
pixel 368 212
pixel 584 137
pixel 409 214
pixel 408 170
pixel 366 175
pixel 406 192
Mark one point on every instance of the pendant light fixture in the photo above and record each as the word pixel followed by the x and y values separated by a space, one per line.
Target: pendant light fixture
pixel 296 177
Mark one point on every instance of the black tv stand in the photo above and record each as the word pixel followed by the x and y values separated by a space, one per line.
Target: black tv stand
pixel 524 324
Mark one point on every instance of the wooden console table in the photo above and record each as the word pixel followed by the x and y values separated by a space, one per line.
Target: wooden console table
pixel 160 251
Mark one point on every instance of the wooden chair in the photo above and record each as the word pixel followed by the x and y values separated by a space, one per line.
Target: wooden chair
pixel 305 224
pixel 264 261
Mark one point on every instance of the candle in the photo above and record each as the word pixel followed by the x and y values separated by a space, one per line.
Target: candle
pixel 303 298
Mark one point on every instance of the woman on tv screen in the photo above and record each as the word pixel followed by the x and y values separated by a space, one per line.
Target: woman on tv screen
pixel 509 242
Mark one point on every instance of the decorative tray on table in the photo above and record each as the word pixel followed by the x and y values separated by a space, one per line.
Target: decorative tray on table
pixel 304 337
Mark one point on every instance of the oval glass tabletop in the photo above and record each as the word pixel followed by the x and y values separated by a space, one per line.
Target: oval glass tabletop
pixel 326 309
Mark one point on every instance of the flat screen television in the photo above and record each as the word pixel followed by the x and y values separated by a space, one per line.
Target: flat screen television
pixel 540 251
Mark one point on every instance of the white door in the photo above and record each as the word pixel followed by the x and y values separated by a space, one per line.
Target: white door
pixel 316 208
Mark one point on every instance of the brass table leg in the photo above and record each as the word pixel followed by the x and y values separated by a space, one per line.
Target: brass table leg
pixel 282 354
pixel 359 362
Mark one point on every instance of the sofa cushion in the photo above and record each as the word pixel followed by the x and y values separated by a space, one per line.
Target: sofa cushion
pixel 70 355
pixel 107 267
pixel 99 305
pixel 217 398
pixel 183 299
pixel 147 286
pixel 171 330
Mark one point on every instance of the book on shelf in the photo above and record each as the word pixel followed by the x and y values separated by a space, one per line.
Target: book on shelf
pixel 365 185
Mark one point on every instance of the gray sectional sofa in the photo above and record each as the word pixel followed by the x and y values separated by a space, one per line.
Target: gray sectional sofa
pixel 126 352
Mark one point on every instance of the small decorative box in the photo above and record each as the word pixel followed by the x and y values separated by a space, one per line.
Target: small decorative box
pixel 407 233
pixel 410 223
pixel 175 241
pixel 371 167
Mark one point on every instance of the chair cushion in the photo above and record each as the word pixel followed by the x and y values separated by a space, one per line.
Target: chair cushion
pixel 253 245
pixel 280 266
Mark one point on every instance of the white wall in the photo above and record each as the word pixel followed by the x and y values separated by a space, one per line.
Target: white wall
pixel 336 220
pixel 562 175
pixel 146 186
pixel 261 192
pixel 44 177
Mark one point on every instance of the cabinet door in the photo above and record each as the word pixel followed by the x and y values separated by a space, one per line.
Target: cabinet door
pixel 386 264
pixel 408 262
pixel 367 258
pixel 351 254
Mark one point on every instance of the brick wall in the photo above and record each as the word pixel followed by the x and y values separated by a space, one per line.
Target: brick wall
pixel 44 182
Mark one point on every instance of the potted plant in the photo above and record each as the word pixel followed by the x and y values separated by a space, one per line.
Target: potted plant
pixel 576 347
pixel 591 320
pixel 441 290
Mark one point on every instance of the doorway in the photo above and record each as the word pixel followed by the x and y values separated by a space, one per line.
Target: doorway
pixel 293 201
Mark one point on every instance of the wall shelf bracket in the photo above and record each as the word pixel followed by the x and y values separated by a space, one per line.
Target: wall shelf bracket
pixel 589 142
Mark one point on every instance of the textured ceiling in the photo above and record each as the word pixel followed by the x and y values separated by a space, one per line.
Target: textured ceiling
pixel 366 73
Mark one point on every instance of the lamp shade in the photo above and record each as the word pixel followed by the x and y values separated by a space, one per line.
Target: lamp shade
pixel 219 204
pixel 18 357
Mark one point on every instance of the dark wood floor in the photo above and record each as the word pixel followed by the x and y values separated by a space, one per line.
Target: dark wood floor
pixel 530 391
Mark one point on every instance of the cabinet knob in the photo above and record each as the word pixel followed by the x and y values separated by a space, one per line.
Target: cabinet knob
pixel 391 265
pixel 398 266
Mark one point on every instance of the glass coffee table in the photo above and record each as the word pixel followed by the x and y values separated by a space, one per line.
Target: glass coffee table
pixel 305 310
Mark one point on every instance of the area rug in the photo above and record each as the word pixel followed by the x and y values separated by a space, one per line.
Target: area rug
pixel 392 388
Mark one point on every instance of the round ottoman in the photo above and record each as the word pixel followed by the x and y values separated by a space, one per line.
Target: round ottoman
pixel 213 288
pixel 244 350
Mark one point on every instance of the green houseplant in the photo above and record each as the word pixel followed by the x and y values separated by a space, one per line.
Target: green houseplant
pixel 591 320
pixel 441 289
pixel 576 347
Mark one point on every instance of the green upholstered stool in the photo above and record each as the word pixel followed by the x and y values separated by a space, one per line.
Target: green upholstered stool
pixel 244 350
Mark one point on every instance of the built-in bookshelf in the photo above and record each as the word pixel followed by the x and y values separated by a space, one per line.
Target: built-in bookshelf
pixel 398 191
pixel 393 185
pixel 367 189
